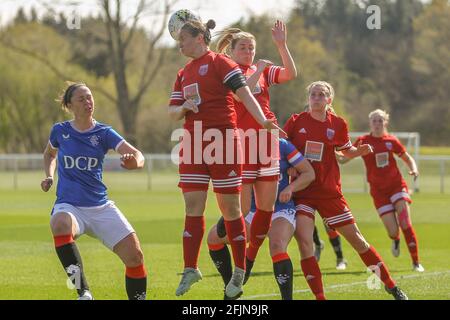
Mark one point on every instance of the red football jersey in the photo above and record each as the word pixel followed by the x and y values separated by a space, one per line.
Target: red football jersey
pixel 203 80
pixel 261 92
pixel 381 167
pixel 317 141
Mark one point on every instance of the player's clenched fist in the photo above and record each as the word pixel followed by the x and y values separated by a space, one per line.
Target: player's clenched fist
pixel 128 161
pixel 46 184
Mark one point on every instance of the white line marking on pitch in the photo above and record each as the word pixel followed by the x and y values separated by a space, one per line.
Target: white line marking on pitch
pixel 337 286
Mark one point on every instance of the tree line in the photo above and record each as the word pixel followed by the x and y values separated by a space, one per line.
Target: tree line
pixel 402 67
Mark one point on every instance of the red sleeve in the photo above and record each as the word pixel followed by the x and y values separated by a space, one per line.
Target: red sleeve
pixel 289 126
pixel 342 138
pixel 398 147
pixel 226 67
pixel 177 97
pixel 272 75
pixel 360 139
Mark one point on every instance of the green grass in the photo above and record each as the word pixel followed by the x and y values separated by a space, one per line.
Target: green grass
pixel 431 151
pixel 31 270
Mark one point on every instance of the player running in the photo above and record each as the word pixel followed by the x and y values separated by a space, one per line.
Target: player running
pixel 261 168
pixel 318 133
pixel 202 96
pixel 283 222
pixel 82 205
pixel 387 186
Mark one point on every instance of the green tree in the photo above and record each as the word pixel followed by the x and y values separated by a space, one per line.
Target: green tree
pixel 431 62
pixel 28 89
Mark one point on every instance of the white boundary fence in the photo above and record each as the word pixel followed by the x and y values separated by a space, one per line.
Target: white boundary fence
pixel 15 164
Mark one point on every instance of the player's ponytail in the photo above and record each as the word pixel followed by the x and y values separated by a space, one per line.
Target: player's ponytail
pixel 229 37
pixel 194 28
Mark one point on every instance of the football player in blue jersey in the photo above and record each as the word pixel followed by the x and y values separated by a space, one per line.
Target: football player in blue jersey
pixel 283 223
pixel 82 205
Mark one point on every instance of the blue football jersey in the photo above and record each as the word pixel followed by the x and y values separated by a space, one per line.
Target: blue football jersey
pixel 80 162
pixel 289 157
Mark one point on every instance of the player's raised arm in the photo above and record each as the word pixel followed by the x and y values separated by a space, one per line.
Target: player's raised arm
pixel 279 36
pixel 261 65
pixel 49 167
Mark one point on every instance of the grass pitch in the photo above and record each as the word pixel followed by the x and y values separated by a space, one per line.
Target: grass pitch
pixel 31 270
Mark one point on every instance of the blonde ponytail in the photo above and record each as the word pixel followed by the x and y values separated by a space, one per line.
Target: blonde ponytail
pixel 229 37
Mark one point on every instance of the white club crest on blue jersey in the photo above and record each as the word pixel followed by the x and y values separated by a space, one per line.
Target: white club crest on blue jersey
pixel 94 140
pixel 65 136
pixel 330 134
pixel 203 70
pixel 389 145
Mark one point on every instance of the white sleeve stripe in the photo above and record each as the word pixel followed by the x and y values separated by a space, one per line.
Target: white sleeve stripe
pixel 294 158
pixel 345 146
pixel 119 144
pixel 194 179
pixel 231 73
pixel 272 73
pixel 194 175
pixel 271 76
pixel 51 145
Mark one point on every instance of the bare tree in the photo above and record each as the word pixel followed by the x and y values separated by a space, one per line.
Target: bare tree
pixel 118 41
pixel 119 36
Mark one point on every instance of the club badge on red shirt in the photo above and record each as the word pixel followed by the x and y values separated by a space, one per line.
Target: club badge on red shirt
pixel 389 145
pixel 330 134
pixel 203 70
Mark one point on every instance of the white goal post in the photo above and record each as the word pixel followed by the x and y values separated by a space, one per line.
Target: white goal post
pixel 411 140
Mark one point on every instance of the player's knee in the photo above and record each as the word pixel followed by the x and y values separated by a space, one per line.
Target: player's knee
pixel 267 206
pixel 306 247
pixel 61 224
pixel 393 234
pixel 195 208
pixel 360 244
pixel 277 246
pixel 136 258
pixel 212 236
pixel 231 211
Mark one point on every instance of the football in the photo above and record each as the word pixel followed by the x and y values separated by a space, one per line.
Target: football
pixel 178 19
